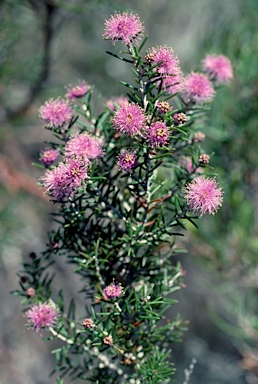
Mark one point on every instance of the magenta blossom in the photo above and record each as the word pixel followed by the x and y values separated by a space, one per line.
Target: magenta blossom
pixel 157 134
pixel 113 290
pixel 42 316
pixel 218 67
pixel 129 119
pixel 56 112
pixel 127 160
pixel 77 91
pixel 203 195
pixel 48 156
pixel 116 102
pixel 63 181
pixel 123 26
pixel 198 88
pixel 83 145
pixel 168 61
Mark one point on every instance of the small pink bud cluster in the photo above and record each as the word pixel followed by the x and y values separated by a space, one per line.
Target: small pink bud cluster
pixel 77 91
pixel 88 323
pixel 127 160
pixel 113 291
pixel 48 156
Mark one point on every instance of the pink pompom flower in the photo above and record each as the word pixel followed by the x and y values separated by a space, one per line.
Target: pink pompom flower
pixel 157 134
pixel 127 160
pixel 123 26
pixel 56 113
pixel 198 88
pixel 84 146
pixel 48 156
pixel 113 290
pixel 63 181
pixel 77 91
pixel 219 67
pixel 203 195
pixel 42 316
pixel 129 119
pixel 168 62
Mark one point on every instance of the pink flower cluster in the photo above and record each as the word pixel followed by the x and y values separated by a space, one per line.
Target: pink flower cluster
pixel 219 67
pixel 157 134
pixel 62 181
pixel 203 195
pixel 113 290
pixel 77 91
pixel 123 26
pixel 83 146
pixel 127 160
pixel 56 113
pixel 48 156
pixel 42 316
pixel 198 88
pixel 167 67
pixel 129 119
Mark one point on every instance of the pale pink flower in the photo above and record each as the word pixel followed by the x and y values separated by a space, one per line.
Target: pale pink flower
pixel 63 181
pixel 48 156
pixel 157 134
pixel 77 91
pixel 42 316
pixel 116 102
pixel 113 290
pixel 218 67
pixel 198 88
pixel 127 160
pixel 168 61
pixel 203 195
pixel 129 119
pixel 123 26
pixel 56 112
pixel 83 145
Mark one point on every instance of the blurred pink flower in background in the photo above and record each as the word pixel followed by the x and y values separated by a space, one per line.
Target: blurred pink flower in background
pixel 198 88
pixel 218 67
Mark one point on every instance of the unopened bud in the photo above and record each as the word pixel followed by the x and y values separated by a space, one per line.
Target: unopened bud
pixel 180 118
pixel 108 340
pixel 198 137
pixel 163 106
pixel 204 159
pixel 149 57
pixel 88 323
pixel 31 292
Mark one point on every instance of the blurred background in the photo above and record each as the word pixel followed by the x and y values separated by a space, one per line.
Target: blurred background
pixel 46 45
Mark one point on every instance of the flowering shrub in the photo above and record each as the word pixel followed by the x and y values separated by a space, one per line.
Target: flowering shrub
pixel 125 187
